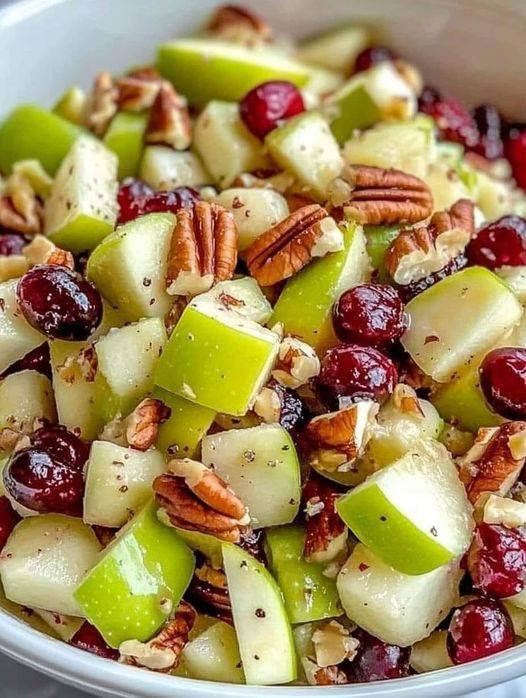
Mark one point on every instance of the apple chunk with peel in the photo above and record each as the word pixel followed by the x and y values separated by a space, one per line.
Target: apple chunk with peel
pixel 25 397
pixel 397 608
pixel 243 295
pixel 263 630
pixel 414 514
pixel 213 655
pixel 138 582
pixel 17 337
pixel 336 49
pixel 305 304
pixel 217 358
pixel 262 467
pixel 124 137
pixel 163 168
pixel 458 319
pixel 44 560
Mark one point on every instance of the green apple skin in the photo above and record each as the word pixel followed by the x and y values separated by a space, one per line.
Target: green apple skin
pixel 17 337
pixel 263 629
pixel 335 49
pixel 125 138
pixel 305 304
pixel 71 105
pixel 31 132
pixel 414 513
pixel 209 546
pixel 309 595
pixel 203 70
pixel 355 109
pixel 125 594
pixel 379 239
pixel 26 396
pixel 485 311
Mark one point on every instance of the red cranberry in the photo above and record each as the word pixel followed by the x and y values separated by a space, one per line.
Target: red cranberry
pixel 37 360
pixel 293 411
pixel 515 151
pixel 378 661
pixel 370 314
pixel 12 243
pixel 411 290
pixel 453 120
pixel 8 520
pixel 490 127
pixel 497 560
pixel 478 629
pixel 371 56
pixel 59 302
pixel 136 198
pixel 267 105
pixel 62 445
pixel 503 381
pixel 89 639
pixel 498 244
pixel 354 372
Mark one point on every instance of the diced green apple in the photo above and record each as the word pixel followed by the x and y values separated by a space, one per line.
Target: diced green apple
pixel 379 238
pixel 164 168
pixel 118 482
pixel 71 105
pixel 263 630
pixel 245 296
pixel 515 280
pixel 262 467
pixel 446 185
pixel 214 655
pixel 336 49
pixel 430 654
pixel 493 196
pixel 129 266
pixel 211 547
pixel 202 358
pixel 518 618
pixel 414 513
pixel 204 70
pixel 25 397
pixel 139 580
pixel 124 137
pixel 398 608
pixel 305 304
pixel 305 147
pixel 44 559
pixel 82 207
pixel 444 343
pixel 64 626
pixel 309 594
pixel 17 337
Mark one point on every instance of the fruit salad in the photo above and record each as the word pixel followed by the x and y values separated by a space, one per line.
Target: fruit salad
pixel 263 363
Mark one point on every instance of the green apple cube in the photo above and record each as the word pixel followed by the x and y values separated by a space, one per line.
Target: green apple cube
pixel 129 266
pixel 305 304
pixel 493 196
pixel 379 239
pixel 25 397
pixel 118 482
pixel 336 49
pixel 82 207
pixel 17 337
pixel 140 578
pixel 262 467
pixel 321 82
pixel 204 70
pixel 446 185
pixel 124 137
pixel 398 608
pixel 71 105
pixel 225 145
pixel 44 559
pixel 518 618
pixel 255 210
pixel 214 655
pixel 414 514
pixel 210 547
pixel 263 630
pixel 309 594
pixel 245 296
pixel 515 280
pixel 163 168
pixel 431 653
pixel 63 626
pixel 182 432
pixel 202 358
pixel 30 132
pixel 457 319
pixel 305 147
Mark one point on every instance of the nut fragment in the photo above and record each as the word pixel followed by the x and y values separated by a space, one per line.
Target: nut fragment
pixel 504 511
pixel 42 251
pixel 142 426
pixel 406 400
pixel 81 366
pixel 20 208
pixel 421 251
pixel 326 534
pixel 377 196
pixel 296 364
pixel 239 25
pixel 209 592
pixel 333 644
pixel 290 245
pixel 203 249
pixel 169 121
pixel 138 90
pixel 101 104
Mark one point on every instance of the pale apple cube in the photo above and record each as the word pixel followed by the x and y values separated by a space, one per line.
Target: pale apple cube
pixel 243 295
pixel 26 396
pixel 336 49
pixel 17 337
pixel 164 168
pixel 431 654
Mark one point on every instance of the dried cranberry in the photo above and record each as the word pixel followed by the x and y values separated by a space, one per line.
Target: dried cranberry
pixel 59 302
pixel 378 661
pixel 503 381
pixel 490 127
pixel 478 629
pixel 497 560
pixel 515 151
pixel 371 56
pixel 12 243
pixel 428 98
pixel 293 411
pixel 267 105
pixel 8 520
pixel 453 120
pixel 36 360
pixel 136 198
pixel 413 289
pixel 62 445
pixel 370 314
pixel 498 244
pixel 89 639
pixel 354 372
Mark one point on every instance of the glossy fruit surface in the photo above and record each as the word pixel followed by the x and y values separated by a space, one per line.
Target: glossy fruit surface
pixel 503 381
pixel 500 243
pixel 490 126
pixel 267 105
pixel 89 639
pixel 8 520
pixel 59 302
pixel 515 151
pixel 293 411
pixel 11 242
pixel 62 445
pixel 371 56
pixel 497 560
pixel 36 360
pixel 378 661
pixel 479 629
pixel 414 288
pixel 370 314
pixel 453 120
pixel 136 198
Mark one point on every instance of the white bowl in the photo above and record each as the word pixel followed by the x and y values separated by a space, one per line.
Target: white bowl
pixel 473 48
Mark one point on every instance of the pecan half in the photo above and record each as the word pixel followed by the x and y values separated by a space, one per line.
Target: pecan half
pixel 142 426
pixel 239 25
pixel 161 653
pixel 296 364
pixel 41 250
pixel 377 196
pixel 203 249
pixel 208 591
pixel 138 90
pixel 492 464
pixel 101 104
pixel 290 245
pixel 169 121
pixel 20 208
pixel 326 534
pixel 421 251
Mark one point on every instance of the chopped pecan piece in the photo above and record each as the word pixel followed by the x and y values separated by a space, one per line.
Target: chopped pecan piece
pixel 290 245
pixel 138 90
pixel 42 251
pixel 162 653
pixel 239 25
pixel 333 644
pixel 81 366
pixel 406 400
pixel 203 249
pixel 101 105
pixel 209 592
pixel 169 121
pixel 296 364
pixel 329 676
pixel 376 196
pixel 326 534
pixel 492 464
pixel 142 426
pixel 20 208
pixel 421 251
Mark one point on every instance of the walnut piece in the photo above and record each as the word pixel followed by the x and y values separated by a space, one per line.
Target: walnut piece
pixel 296 364
pixel 169 121
pixel 138 90
pixel 239 25
pixel 333 644
pixel 326 534
pixel 41 250
pixel 101 104
pixel 142 426
pixel 20 208
pixel 81 366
